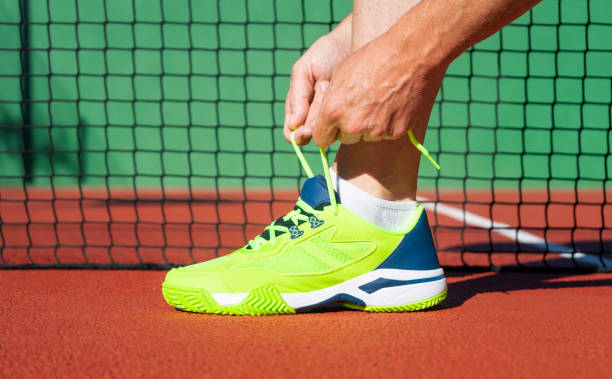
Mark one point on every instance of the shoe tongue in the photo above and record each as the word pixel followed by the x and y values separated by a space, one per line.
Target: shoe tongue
pixel 314 192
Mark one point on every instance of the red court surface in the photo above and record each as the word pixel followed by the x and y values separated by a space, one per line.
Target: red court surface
pixel 79 323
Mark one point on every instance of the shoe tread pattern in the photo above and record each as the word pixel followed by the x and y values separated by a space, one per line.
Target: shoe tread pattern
pixel 418 306
pixel 264 300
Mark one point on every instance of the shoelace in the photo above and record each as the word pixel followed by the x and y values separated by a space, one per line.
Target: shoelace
pixel 286 224
pixel 303 213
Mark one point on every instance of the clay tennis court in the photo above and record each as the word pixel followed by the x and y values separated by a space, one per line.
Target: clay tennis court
pixel 116 322
pixel 137 136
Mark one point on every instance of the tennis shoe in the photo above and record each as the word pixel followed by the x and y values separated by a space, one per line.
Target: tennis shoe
pixel 318 255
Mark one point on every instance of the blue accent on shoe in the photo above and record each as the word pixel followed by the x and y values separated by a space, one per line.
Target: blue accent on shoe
pixel 314 191
pixel 381 283
pixel 315 222
pixel 338 299
pixel 295 232
pixel 416 251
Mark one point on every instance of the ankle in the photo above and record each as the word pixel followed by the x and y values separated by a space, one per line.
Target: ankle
pixel 387 169
pixel 385 186
pixel 387 214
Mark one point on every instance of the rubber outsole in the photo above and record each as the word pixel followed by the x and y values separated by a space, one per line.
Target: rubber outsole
pixel 266 300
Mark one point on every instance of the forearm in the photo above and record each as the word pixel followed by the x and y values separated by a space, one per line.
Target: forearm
pixel 373 18
pixel 440 30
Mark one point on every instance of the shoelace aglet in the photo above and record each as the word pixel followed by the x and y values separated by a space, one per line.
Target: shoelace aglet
pixel 422 149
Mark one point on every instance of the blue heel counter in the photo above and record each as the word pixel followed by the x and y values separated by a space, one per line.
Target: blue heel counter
pixel 416 251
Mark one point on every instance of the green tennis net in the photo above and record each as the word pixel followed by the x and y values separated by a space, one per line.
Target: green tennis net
pixel 149 133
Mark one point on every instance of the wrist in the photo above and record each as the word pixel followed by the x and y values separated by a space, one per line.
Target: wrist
pixel 424 39
pixel 341 34
pixel 423 53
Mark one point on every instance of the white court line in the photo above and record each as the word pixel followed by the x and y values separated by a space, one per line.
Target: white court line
pixel 521 236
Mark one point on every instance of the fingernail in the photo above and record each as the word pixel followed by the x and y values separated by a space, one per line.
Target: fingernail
pixel 324 86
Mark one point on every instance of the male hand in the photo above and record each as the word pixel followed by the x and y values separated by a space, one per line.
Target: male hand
pixel 380 92
pixel 307 77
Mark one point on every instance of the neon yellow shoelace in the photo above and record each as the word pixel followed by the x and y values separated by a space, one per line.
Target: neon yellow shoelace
pixel 330 188
pixel 295 216
pixel 298 214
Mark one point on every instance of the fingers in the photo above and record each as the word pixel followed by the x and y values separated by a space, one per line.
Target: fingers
pixel 304 133
pixel 328 120
pixel 325 128
pixel 297 103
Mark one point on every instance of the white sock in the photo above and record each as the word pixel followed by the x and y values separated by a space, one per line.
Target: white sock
pixel 390 215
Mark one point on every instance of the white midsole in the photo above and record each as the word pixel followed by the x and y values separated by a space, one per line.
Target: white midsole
pixel 388 296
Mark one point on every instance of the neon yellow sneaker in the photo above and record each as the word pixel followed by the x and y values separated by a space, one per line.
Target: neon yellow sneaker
pixel 318 255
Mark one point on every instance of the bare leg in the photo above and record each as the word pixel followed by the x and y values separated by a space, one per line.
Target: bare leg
pixel 367 164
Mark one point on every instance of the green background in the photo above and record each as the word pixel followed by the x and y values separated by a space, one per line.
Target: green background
pixel 190 93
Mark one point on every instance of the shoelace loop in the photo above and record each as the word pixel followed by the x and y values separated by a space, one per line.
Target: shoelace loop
pixel 330 188
pixel 298 214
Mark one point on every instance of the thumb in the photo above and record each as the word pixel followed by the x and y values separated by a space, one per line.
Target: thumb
pixel 304 133
pixel 301 90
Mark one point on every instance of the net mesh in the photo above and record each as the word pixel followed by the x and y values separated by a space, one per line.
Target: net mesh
pixel 147 134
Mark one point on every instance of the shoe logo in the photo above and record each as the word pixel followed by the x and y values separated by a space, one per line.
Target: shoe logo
pixel 315 222
pixel 295 232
